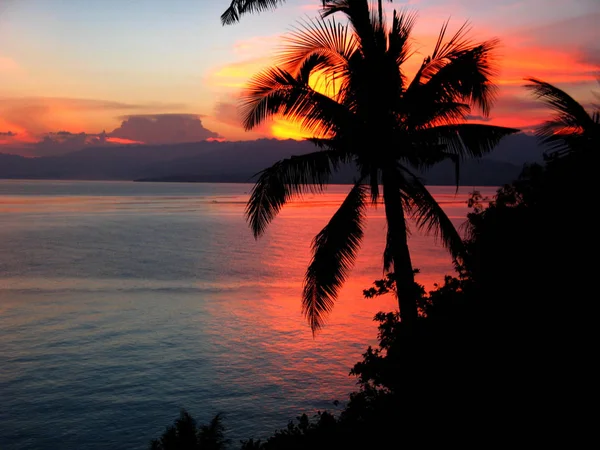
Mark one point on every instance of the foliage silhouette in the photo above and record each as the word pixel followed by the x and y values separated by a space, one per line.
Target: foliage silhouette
pixel 347 87
pixel 186 435
pixel 572 129
pixel 238 8
pixel 528 243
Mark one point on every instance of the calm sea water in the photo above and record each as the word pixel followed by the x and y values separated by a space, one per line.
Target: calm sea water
pixel 121 303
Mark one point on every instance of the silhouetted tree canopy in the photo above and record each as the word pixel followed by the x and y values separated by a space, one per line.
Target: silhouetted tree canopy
pixel 186 435
pixel 529 247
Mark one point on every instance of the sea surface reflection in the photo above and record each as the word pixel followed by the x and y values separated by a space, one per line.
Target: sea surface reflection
pixel 122 302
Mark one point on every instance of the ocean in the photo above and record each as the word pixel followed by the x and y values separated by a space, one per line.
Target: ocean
pixel 122 302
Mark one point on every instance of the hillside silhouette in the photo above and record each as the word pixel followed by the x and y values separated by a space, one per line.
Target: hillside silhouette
pixel 239 161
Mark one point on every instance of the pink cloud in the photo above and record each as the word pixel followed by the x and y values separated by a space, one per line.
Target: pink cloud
pixel 8 65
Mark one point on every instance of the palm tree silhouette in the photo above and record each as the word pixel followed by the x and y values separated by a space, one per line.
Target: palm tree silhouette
pixel 367 113
pixel 572 129
pixel 240 7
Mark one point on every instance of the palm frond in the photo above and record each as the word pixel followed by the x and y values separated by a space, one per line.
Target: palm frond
pixel 276 91
pixel 399 36
pixel 325 143
pixel 468 76
pixel 429 215
pixel 457 71
pixel 442 51
pixel 374 180
pixel 420 114
pixel 340 144
pixel 466 140
pixel 334 253
pixel 568 111
pixel 238 8
pixel 331 41
pixel 460 76
pixel 358 14
pixel 454 142
pixel 457 44
pixel 567 129
pixel 231 14
pixel 286 179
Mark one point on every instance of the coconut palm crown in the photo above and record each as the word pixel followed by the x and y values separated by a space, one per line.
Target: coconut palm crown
pixel 346 85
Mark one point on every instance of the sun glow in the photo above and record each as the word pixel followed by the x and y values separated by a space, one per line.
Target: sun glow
pixel 286 129
pixel 282 128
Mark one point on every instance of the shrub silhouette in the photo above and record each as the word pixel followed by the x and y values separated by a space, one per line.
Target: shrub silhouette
pixel 186 435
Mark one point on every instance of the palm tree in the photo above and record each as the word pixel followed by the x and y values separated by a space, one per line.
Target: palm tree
pixel 367 113
pixel 240 7
pixel 572 129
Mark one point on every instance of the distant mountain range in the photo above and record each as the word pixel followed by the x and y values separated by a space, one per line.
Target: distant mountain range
pixel 239 161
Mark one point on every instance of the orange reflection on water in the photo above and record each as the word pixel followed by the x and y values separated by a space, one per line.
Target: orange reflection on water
pixel 272 305
pixel 179 277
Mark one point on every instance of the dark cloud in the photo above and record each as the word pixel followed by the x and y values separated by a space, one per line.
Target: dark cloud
pixel 163 129
pixel 579 35
pixel 510 103
pixel 59 143
pixel 478 118
pixel 7 134
pixel 228 113
pixel 569 32
pixel 63 142
pixel 591 55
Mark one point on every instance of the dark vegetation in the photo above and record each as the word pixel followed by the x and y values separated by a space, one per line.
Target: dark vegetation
pixel 185 434
pixel 501 352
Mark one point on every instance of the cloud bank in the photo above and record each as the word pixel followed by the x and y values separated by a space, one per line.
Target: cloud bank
pixel 150 129
pixel 163 129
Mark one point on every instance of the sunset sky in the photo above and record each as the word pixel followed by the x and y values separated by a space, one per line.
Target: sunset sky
pixel 153 71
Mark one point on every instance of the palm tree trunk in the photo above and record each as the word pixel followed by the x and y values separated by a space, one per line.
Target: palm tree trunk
pixel 381 13
pixel 397 250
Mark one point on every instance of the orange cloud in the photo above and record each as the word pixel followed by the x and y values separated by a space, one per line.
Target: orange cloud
pixel 8 65
pixel 553 66
pixel 236 75
pixel 122 141
pixel 33 117
pixel 14 135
